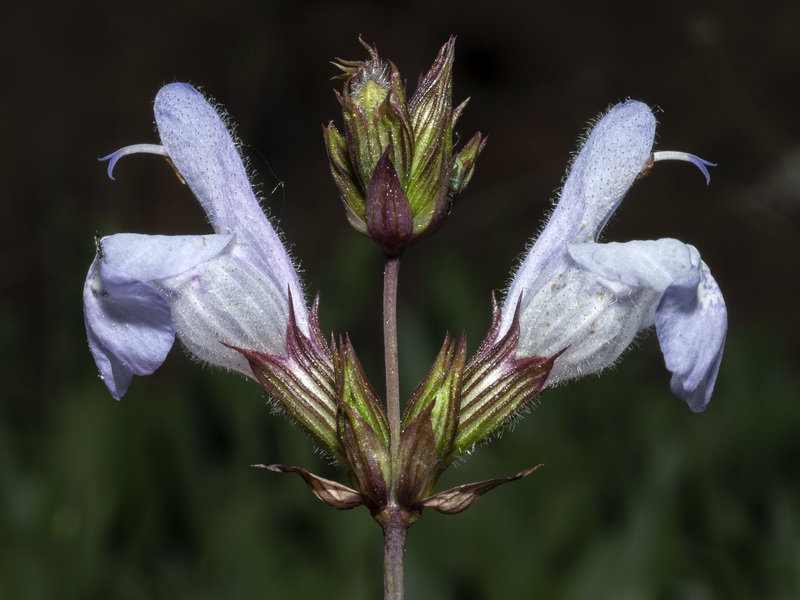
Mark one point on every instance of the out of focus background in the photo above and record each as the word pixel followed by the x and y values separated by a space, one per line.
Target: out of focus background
pixel 153 496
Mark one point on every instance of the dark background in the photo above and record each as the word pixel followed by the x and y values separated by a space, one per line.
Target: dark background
pixel 152 497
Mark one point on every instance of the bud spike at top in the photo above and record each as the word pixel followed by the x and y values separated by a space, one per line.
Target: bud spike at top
pixel 415 136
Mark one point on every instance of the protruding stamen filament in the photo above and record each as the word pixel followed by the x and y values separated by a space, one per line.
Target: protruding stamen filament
pixel 685 156
pixel 135 149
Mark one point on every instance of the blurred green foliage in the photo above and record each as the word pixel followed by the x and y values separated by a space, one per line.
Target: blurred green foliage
pixel 153 497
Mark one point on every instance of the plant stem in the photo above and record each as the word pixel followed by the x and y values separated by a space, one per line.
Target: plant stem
pixel 390 278
pixel 395 528
pixel 394 520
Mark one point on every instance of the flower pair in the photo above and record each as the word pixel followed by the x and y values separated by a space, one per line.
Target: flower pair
pixel 237 289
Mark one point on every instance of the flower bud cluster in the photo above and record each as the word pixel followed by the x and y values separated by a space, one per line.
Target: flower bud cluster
pixel 394 164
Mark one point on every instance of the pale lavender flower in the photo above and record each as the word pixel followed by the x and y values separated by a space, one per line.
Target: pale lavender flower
pixel 233 287
pixel 593 299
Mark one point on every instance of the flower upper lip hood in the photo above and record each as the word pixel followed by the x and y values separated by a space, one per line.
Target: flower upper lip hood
pixel 231 287
pixel 591 298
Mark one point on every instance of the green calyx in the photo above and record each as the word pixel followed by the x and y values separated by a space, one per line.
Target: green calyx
pixel 497 387
pixel 459 404
pixel 362 428
pixel 438 396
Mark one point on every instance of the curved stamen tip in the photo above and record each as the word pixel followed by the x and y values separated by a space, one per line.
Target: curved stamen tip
pixel 136 148
pixel 685 156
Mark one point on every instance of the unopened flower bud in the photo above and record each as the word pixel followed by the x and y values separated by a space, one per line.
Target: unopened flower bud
pixel 394 165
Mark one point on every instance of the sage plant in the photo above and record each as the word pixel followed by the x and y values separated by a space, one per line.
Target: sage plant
pixel 234 299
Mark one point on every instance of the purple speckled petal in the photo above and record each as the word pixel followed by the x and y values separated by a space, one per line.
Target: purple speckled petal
pixel 206 156
pixel 616 151
pixel 613 156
